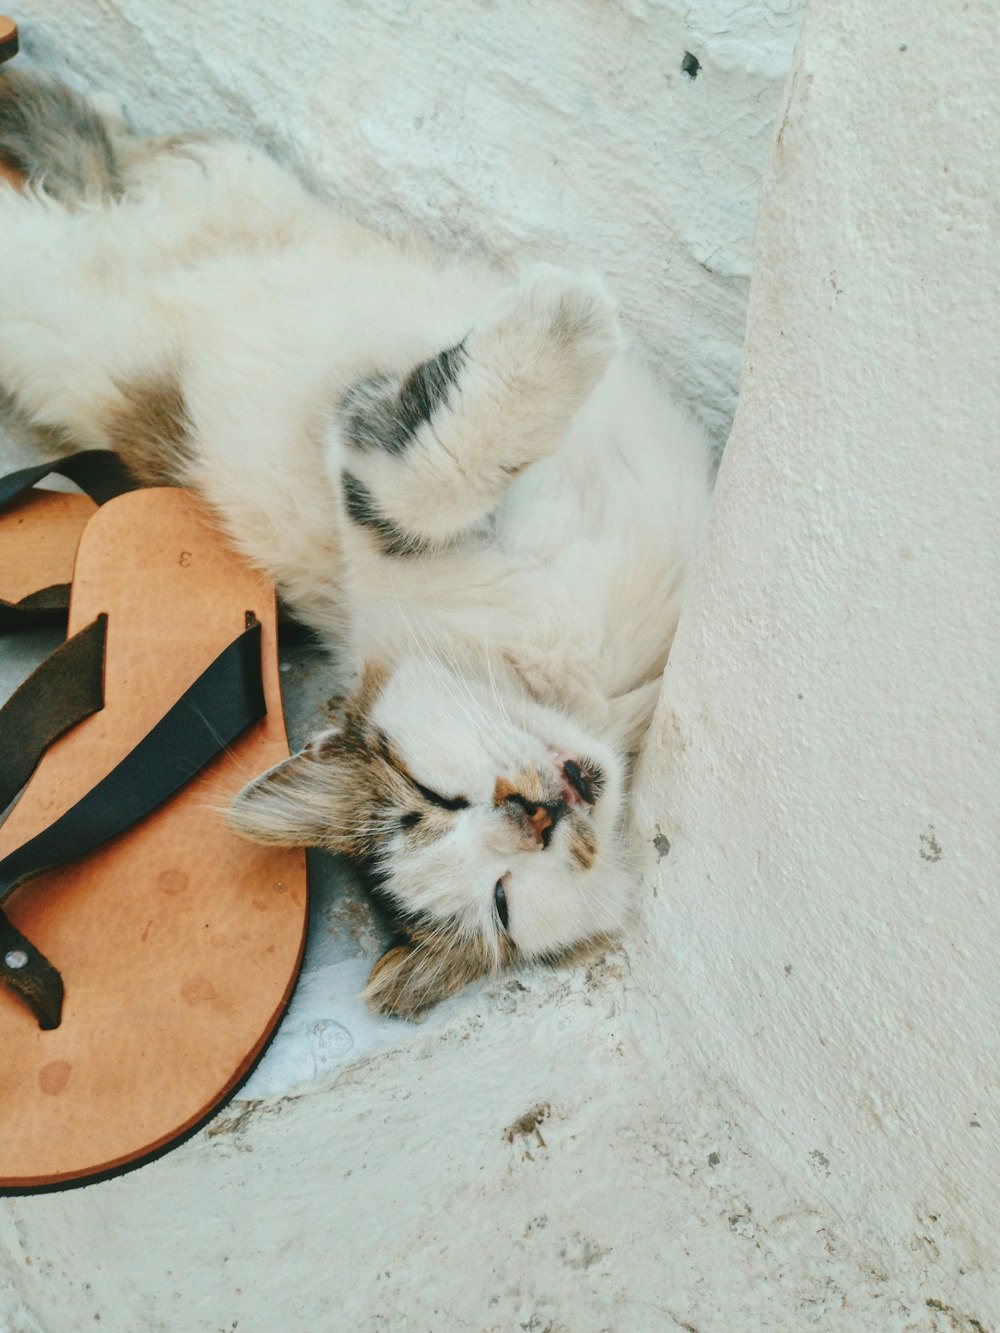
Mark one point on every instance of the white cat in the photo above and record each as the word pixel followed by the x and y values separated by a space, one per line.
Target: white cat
pixel 459 478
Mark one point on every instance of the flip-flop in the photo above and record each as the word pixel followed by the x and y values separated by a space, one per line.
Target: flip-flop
pixel 177 944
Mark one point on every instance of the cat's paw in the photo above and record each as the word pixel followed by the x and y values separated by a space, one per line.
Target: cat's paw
pixel 573 312
pixel 433 453
pixel 555 331
pixel 534 360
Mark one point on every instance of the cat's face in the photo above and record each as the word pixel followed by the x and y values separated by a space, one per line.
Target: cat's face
pixel 490 825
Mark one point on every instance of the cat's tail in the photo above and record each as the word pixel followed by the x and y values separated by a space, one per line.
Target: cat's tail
pixel 57 139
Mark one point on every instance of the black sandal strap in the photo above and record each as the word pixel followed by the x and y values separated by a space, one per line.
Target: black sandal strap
pixel 51 603
pixel 99 472
pixel 67 687
pixel 226 699
pixel 30 976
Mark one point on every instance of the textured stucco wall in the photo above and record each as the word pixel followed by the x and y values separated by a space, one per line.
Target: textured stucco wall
pixel 825 760
pixel 761 1116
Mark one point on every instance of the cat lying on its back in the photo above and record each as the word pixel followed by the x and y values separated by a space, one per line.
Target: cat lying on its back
pixel 460 478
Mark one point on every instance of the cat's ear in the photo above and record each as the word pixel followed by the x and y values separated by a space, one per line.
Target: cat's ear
pixel 321 797
pixel 309 800
pixel 415 973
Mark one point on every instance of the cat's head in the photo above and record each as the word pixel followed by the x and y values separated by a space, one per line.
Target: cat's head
pixel 489 825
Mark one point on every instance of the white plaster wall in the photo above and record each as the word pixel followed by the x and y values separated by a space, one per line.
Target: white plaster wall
pixel 760 1117
pixel 825 757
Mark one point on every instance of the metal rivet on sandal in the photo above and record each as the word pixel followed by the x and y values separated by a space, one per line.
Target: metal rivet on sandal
pixel 15 958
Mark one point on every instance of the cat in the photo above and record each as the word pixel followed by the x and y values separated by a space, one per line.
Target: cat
pixel 458 477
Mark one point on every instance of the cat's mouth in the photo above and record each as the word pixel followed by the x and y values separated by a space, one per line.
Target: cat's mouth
pixel 581 782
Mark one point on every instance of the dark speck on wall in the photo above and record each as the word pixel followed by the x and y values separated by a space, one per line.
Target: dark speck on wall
pixel 930 848
pixel 690 65
pixel 661 842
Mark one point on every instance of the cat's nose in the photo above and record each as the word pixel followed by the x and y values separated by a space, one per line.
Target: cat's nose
pixel 537 819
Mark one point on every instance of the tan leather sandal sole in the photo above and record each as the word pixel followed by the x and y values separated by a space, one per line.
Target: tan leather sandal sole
pixel 178 943
pixel 39 535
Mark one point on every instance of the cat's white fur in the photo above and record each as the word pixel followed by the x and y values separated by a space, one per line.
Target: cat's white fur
pixel 555 495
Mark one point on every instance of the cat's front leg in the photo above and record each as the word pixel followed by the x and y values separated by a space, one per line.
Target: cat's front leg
pixel 427 457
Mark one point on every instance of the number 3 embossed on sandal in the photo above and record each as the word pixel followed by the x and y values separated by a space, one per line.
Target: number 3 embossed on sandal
pixel 146 952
